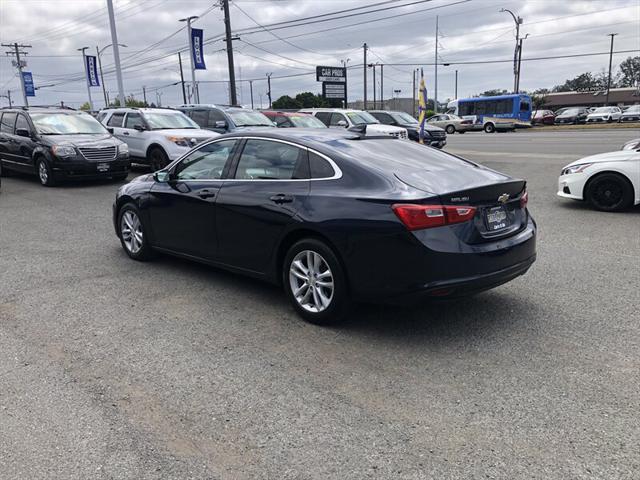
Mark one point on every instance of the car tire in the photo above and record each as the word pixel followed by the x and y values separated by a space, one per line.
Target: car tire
pixel 609 120
pixel 324 304
pixel 45 173
pixel 489 128
pixel 4 171
pixel 609 192
pixel 157 158
pixel 450 129
pixel 133 234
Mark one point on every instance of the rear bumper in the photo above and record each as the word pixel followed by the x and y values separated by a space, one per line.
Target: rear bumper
pixel 91 170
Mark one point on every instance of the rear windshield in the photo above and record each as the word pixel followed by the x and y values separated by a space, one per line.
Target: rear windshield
pixel 66 124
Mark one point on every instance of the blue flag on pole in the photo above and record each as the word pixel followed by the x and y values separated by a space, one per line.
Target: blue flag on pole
pixel 92 71
pixel 29 88
pixel 197 48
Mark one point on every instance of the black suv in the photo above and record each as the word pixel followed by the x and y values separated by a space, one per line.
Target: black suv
pixel 225 119
pixel 56 143
pixel 433 136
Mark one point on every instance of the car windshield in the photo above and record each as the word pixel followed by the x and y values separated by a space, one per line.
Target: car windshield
pixel 306 121
pixel 571 112
pixel 359 118
pixel 66 124
pixel 602 110
pixel 402 117
pixel 250 119
pixel 161 121
pixel 633 109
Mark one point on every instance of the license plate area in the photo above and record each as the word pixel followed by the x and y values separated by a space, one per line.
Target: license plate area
pixel 103 167
pixel 496 219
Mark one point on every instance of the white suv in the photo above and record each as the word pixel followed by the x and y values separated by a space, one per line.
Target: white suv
pixel 605 114
pixel 346 118
pixel 155 136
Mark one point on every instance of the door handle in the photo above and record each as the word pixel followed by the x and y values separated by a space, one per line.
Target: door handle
pixel 281 198
pixel 125 133
pixel 206 193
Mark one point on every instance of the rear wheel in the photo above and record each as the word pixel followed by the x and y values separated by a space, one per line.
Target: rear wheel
pixel 157 159
pixel 450 129
pixel 315 282
pixel 489 128
pixel 45 173
pixel 609 192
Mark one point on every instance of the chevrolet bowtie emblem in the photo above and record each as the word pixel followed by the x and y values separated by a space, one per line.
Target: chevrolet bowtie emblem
pixel 504 198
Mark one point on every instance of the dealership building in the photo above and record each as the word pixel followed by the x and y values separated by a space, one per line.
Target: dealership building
pixel 597 98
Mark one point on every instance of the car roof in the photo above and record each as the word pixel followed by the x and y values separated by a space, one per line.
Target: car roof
pixel 286 114
pixel 43 110
pixel 341 110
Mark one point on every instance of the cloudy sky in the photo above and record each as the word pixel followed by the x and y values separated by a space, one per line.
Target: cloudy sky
pixel 471 31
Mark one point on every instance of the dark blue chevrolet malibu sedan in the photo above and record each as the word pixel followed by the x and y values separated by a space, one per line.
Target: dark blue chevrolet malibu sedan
pixel 334 217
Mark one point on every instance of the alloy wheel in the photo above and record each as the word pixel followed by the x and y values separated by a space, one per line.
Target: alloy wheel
pixel 43 173
pixel 311 281
pixel 607 194
pixel 131 231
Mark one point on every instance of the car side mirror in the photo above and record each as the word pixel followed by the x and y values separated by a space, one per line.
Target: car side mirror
pixel 221 124
pixel 139 128
pixel 110 130
pixel 342 123
pixel 23 132
pixel 162 176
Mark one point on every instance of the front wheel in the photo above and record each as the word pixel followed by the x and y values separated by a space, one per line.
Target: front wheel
pixel 315 282
pixel 489 128
pixel 609 120
pixel 450 129
pixel 609 192
pixel 133 236
pixel 158 159
pixel 45 173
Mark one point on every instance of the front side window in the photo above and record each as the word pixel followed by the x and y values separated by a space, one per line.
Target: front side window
pixel 116 120
pixel 216 116
pixel 66 124
pixel 201 117
pixel 269 160
pixel 133 120
pixel 22 123
pixel 524 106
pixel 207 162
pixel 337 117
pixel 7 122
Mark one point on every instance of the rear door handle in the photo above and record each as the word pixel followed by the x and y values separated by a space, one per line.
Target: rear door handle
pixel 206 193
pixel 281 198
pixel 125 133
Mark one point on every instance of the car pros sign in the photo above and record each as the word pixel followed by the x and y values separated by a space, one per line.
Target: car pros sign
pixel 197 49
pixel 92 71
pixel 334 82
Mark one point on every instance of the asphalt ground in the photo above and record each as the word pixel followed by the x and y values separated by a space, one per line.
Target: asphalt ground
pixel 115 369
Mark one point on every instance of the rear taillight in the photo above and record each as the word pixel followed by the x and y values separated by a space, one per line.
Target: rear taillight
pixel 524 199
pixel 417 217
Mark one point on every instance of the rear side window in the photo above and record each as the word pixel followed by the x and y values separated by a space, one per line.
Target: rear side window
pixel 7 122
pixel 269 160
pixel 116 120
pixel 323 117
pixel 320 167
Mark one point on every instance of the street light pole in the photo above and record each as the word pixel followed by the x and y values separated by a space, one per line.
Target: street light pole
pixel 610 60
pixel 193 66
pixel 456 90
pixel 86 75
pixel 116 51
pixel 516 71
pixel 98 54
pixel 344 65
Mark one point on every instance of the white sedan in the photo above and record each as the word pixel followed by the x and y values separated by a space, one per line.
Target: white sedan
pixel 605 114
pixel 608 181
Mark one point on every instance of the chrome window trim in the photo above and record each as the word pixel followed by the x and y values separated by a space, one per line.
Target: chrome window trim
pixel 336 169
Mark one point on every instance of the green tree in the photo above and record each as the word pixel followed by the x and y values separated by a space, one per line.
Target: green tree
pixel 129 101
pixel 630 72
pixel 584 81
pixel 285 101
pixel 493 93
pixel 85 106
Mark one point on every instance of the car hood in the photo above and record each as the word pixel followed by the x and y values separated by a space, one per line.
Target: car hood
pixel 427 127
pixel 617 156
pixel 188 132
pixel 384 129
pixel 568 115
pixel 604 114
pixel 81 140
pixel 630 114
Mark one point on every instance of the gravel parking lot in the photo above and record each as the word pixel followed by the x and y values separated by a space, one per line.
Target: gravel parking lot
pixel 113 369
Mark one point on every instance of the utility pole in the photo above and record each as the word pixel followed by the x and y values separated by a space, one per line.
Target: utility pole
pixel 435 81
pixel 516 72
pixel 228 39
pixel 365 48
pixel 373 66
pixel 193 66
pixel 104 90
pixel 268 88
pixel 251 91
pixel 610 60
pixel 86 75
pixel 382 86
pixel 344 65
pixel 16 51
pixel 9 98
pixel 456 90
pixel 144 94
pixel 116 51
pixel 184 93
pixel 519 62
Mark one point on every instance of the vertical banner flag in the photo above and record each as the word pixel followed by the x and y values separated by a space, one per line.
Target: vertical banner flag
pixel 29 88
pixel 92 71
pixel 197 49
pixel 422 105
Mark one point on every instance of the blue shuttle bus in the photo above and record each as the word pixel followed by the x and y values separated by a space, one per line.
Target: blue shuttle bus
pixel 516 107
